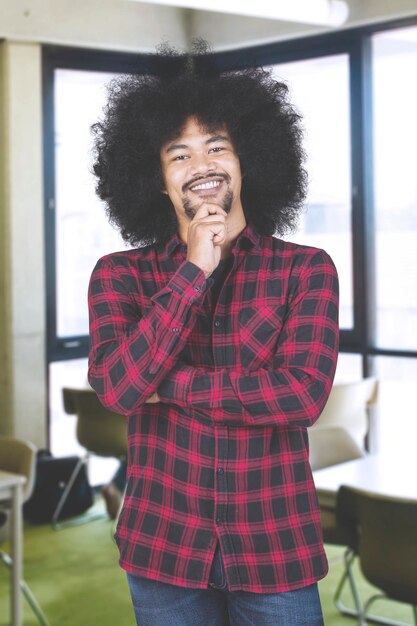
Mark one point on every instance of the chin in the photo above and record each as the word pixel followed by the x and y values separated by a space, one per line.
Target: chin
pixel 226 203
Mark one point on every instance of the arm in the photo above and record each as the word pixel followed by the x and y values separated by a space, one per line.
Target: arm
pixel 130 353
pixel 295 387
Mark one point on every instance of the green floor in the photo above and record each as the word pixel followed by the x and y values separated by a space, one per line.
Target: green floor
pixel 76 578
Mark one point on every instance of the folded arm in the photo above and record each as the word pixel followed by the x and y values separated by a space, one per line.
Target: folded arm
pixel 131 351
pixel 294 388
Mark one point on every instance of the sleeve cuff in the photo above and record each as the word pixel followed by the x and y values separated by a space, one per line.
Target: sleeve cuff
pixel 175 387
pixel 188 282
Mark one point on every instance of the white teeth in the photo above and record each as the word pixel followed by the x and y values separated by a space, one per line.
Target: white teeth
pixel 210 185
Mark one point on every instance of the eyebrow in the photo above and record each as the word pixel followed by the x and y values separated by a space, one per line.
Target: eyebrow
pixel 184 146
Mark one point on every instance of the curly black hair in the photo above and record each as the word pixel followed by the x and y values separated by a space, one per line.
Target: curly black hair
pixel 143 112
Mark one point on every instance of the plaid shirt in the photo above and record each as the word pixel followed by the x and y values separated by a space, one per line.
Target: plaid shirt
pixel 224 455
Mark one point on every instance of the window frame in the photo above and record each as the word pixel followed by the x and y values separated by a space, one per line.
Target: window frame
pixel 54 58
pixel 356 43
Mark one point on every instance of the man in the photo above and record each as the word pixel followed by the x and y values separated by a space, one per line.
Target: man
pixel 218 341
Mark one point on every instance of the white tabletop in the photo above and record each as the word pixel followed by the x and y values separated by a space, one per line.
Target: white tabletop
pixel 8 480
pixel 387 475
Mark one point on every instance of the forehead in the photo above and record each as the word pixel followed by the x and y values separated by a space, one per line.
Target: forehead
pixel 195 131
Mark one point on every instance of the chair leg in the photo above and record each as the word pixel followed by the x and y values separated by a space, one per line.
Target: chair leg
pixel 375 619
pixel 349 557
pixel 33 603
pixel 27 593
pixel 83 519
pixel 360 612
pixel 67 490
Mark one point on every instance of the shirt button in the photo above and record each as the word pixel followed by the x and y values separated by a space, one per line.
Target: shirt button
pixel 220 470
pixel 175 330
pixel 217 323
pixel 197 288
pixel 219 520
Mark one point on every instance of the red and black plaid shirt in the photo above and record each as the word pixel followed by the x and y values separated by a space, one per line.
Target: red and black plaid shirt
pixel 224 455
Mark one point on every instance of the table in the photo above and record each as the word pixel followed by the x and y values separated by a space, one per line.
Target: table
pixel 390 475
pixel 11 489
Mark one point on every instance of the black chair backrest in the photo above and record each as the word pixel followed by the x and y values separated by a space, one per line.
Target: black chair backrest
pixel 387 547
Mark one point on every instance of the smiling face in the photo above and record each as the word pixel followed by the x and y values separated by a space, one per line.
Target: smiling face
pixel 201 167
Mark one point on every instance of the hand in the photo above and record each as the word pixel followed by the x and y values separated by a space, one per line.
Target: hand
pixel 206 233
pixel 152 399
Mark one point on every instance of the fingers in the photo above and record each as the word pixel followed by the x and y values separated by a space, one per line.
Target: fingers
pixel 212 226
pixel 207 231
pixel 213 218
pixel 207 209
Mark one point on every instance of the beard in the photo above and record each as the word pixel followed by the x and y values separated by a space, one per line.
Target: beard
pixel 191 209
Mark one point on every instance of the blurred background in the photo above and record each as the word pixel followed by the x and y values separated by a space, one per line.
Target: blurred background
pixel 354 83
pixel 351 68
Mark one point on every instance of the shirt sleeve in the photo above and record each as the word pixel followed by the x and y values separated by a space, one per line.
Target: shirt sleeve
pixel 295 387
pixel 130 350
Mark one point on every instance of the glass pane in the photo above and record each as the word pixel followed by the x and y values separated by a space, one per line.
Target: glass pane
pixel 395 423
pixel 395 139
pixel 320 90
pixel 82 230
pixel 349 367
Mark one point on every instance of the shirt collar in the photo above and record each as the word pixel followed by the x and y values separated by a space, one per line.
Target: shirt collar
pixel 248 238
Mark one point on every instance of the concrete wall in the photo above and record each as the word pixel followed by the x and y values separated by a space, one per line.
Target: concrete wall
pixel 6 416
pixel 107 24
pixel 23 398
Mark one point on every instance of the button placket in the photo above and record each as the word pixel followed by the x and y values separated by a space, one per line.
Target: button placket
pixel 221 478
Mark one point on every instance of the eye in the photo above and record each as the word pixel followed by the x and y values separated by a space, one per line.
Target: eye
pixel 180 157
pixel 216 149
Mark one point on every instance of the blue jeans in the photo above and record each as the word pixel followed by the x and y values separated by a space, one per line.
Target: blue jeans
pixel 160 604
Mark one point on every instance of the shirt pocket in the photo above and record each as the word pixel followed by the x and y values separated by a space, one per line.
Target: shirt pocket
pixel 259 330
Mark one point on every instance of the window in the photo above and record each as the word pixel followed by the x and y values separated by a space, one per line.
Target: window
pixel 395 425
pixel 83 234
pixel 320 89
pixel 77 230
pixel 357 93
pixel 395 138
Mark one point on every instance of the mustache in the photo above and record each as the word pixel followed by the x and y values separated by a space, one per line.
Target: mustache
pixel 196 179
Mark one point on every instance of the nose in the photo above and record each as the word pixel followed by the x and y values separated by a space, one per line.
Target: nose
pixel 201 163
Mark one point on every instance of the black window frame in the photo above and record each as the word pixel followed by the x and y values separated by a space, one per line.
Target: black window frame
pixel 53 58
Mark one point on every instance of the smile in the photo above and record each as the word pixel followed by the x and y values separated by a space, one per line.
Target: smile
pixel 210 185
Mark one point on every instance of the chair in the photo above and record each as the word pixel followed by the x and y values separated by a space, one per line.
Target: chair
pixel 386 547
pixel 348 406
pixel 339 436
pixel 18 457
pixel 99 431
pixel 330 445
